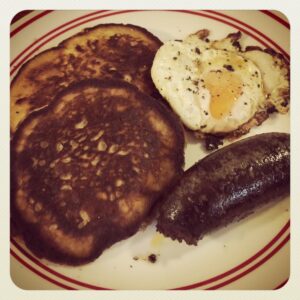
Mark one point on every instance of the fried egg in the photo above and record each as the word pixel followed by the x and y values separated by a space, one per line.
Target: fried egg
pixel 275 75
pixel 214 87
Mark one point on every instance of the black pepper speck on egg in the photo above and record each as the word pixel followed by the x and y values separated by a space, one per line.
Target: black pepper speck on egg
pixel 229 68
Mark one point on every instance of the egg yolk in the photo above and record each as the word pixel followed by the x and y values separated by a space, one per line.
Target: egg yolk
pixel 225 87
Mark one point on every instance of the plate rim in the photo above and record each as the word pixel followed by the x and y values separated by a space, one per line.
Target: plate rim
pixel 216 16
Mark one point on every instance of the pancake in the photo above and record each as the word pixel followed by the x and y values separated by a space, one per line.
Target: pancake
pixel 107 51
pixel 88 169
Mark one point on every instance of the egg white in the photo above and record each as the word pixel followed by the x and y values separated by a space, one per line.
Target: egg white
pixel 179 71
pixel 275 75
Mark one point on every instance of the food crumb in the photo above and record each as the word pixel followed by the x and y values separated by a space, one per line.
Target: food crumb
pixel 213 142
pixel 152 258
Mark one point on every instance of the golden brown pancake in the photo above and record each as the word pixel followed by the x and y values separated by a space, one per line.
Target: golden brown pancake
pixel 87 169
pixel 107 51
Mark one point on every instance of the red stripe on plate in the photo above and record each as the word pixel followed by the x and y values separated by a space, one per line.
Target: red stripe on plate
pixel 120 12
pixel 54 36
pixel 20 15
pixel 51 271
pixel 255 30
pixel 242 265
pixel 24 263
pixel 52 31
pixel 281 284
pixel 239 28
pixel 25 24
pixel 266 258
pixel 277 18
pixel 192 286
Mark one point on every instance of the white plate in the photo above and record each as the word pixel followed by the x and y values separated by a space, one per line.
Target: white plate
pixel 252 254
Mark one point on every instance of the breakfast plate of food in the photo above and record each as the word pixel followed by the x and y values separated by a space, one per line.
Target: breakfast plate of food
pixel 150 150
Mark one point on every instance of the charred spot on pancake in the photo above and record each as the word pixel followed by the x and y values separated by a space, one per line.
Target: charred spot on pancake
pixel 87 169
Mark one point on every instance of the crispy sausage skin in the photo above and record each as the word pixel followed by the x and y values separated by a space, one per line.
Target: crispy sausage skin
pixel 226 186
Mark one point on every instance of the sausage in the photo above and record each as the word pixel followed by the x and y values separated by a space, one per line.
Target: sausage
pixel 226 186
